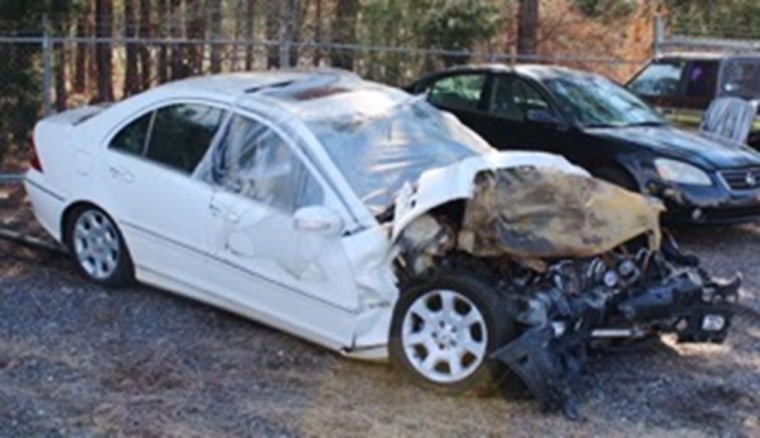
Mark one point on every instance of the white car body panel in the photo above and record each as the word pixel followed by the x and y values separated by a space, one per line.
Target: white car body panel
pixel 186 236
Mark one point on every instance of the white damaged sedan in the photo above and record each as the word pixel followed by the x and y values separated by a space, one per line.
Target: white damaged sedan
pixel 362 219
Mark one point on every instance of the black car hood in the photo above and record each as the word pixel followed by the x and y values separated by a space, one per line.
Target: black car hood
pixel 677 143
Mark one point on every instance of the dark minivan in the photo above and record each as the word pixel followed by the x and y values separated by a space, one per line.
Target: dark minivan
pixel 690 81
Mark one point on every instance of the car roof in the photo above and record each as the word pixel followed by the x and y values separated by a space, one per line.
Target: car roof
pixel 305 93
pixel 696 56
pixel 536 71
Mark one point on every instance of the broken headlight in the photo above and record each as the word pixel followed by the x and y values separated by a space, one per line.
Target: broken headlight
pixel 680 172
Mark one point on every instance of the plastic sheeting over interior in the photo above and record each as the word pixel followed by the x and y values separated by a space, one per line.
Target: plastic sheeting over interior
pixel 380 140
pixel 535 213
pixel 730 117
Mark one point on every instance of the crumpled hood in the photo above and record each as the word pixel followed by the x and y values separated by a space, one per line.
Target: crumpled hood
pixel 453 182
pixel 531 205
pixel 677 143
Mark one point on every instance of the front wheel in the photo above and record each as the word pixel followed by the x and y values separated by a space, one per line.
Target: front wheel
pixel 98 248
pixel 443 333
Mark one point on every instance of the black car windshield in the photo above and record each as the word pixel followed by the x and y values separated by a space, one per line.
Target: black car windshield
pixel 597 102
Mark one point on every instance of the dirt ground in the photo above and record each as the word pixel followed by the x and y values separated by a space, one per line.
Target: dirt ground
pixel 77 360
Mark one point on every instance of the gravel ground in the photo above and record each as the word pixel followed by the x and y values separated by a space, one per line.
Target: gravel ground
pixel 77 360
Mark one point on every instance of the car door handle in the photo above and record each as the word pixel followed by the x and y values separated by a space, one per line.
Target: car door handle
pixel 121 173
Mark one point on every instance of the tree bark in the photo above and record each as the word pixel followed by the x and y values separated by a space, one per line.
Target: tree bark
pixel 274 23
pixel 131 79
pixel 144 32
pixel 195 28
pixel 163 50
pixel 215 22
pixel 249 33
pixel 61 13
pixel 104 30
pixel 344 32
pixel 178 70
pixel 80 56
pixel 527 31
pixel 317 33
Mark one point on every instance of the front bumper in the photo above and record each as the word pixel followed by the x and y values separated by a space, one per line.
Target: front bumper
pixel 714 205
pixel 548 360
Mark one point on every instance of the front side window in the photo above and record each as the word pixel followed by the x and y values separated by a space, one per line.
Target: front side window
pixel 458 92
pixel 702 79
pixel 254 161
pixel 182 134
pixel 512 98
pixel 131 138
pixel 658 79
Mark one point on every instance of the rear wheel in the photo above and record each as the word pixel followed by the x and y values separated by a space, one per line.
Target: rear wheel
pixel 98 248
pixel 443 333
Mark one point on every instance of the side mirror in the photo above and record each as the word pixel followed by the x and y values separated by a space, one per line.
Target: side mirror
pixel 318 220
pixel 541 116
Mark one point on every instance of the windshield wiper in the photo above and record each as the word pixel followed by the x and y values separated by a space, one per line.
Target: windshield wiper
pixel 647 123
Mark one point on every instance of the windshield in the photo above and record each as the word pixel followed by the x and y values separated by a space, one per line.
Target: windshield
pixel 378 153
pixel 597 102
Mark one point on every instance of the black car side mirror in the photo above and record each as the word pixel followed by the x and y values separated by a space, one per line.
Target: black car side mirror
pixel 542 116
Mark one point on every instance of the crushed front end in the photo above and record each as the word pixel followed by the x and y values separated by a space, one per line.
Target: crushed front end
pixel 579 262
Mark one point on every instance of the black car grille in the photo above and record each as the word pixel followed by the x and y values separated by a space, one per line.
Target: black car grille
pixel 744 179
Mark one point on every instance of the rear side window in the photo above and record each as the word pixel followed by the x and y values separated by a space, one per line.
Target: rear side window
pixel 132 138
pixel 458 92
pixel 741 78
pixel 659 78
pixel 182 134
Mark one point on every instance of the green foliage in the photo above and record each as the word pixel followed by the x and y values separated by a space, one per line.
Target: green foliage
pixel 724 18
pixel 455 25
pixel 605 8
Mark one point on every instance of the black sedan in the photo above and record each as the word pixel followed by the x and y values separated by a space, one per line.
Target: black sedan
pixel 599 125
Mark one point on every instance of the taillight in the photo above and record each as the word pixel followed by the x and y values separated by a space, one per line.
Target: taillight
pixel 34 162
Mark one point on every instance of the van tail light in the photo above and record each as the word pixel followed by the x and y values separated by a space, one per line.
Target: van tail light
pixel 35 162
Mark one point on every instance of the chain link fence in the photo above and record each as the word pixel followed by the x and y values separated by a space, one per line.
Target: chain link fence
pixel 47 67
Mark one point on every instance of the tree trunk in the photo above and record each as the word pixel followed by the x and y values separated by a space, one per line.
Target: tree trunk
pixel 80 57
pixel 104 30
pixel 527 31
pixel 60 11
pixel 215 18
pixel 249 33
pixel 175 17
pixel 317 33
pixel 144 33
pixel 195 28
pixel 131 79
pixel 163 49
pixel 274 22
pixel 344 32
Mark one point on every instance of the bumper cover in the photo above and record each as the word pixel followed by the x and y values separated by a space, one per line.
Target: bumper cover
pixel 549 361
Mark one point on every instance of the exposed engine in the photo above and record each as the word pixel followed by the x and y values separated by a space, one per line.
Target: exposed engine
pixel 564 305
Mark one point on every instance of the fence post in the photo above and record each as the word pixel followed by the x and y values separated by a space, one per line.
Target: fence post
pixel 47 66
pixel 659 34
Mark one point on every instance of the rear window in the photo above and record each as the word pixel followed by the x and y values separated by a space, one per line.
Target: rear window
pixel 741 78
pixel 660 78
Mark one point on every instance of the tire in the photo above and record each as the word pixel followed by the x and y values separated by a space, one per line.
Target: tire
pixel 436 349
pixel 618 177
pixel 97 247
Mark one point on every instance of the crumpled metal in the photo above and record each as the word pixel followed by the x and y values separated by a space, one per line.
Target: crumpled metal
pixel 543 213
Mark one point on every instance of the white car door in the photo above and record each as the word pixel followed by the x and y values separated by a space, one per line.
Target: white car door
pixel 159 207
pixel 278 233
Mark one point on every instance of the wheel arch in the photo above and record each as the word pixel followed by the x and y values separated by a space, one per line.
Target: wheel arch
pixel 68 214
